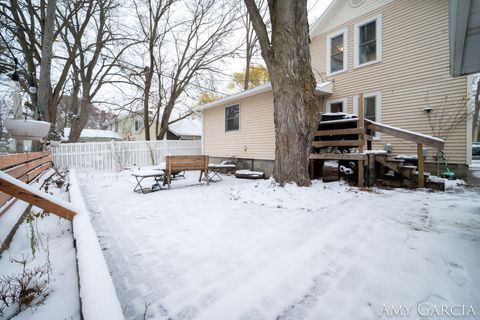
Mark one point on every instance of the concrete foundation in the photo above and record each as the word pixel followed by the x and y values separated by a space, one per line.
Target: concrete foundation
pixel 265 166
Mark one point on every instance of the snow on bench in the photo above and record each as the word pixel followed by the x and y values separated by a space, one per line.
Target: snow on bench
pixel 13 210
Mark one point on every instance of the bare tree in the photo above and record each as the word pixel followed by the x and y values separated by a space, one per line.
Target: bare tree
pixel 251 42
pixel 44 83
pixel 150 25
pixel 287 55
pixel 188 46
pixel 28 24
pixel 96 60
pixel 476 110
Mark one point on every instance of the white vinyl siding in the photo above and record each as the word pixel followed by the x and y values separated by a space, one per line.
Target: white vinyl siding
pixel 415 61
pixel 254 140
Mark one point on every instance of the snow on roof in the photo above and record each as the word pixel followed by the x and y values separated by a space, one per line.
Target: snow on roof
pixel 94 133
pixel 186 127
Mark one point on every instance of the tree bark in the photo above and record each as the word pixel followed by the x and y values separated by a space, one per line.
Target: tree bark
pixel 476 112
pixel 296 111
pixel 80 121
pixel 146 99
pixel 44 85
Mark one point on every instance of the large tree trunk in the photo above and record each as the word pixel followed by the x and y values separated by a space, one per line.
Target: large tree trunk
pixel 247 70
pixel 287 56
pixel 146 99
pixel 79 122
pixel 44 85
pixel 476 112
pixel 165 119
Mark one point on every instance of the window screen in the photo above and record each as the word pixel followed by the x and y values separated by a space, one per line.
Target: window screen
pixel 336 54
pixel 367 42
pixel 232 118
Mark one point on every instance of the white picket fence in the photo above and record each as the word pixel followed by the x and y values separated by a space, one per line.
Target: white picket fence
pixel 115 156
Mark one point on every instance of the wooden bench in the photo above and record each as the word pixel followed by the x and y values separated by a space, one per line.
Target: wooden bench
pixel 186 163
pixel 25 168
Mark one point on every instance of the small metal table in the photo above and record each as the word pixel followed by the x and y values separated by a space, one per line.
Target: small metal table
pixel 215 169
pixel 157 175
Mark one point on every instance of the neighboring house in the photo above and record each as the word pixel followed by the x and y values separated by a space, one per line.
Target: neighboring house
pixel 394 52
pixel 94 135
pixel 131 127
pixel 185 129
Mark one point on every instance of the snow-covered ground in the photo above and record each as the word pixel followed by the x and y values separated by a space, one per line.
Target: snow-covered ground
pixel 53 242
pixel 241 249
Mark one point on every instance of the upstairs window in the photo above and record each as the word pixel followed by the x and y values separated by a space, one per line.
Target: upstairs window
pixel 367 46
pixel 232 118
pixel 368 42
pixel 337 52
pixel 137 125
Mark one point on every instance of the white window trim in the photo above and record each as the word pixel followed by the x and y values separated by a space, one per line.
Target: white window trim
pixel 378 108
pixel 345 51
pixel 328 106
pixel 356 40
pixel 225 120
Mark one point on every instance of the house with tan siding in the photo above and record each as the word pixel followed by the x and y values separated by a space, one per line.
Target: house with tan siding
pixel 393 52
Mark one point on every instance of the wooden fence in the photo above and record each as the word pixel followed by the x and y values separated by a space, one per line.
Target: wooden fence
pixel 115 156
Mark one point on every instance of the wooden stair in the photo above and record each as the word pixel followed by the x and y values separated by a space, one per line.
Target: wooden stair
pixel 344 140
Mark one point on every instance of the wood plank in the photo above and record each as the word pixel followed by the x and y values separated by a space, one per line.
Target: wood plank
pixel 35 199
pixel 338 121
pixel 21 170
pixel 421 178
pixel 18 171
pixel 338 156
pixel 372 171
pixel 361 122
pixel 338 143
pixel 361 173
pixel 407 135
pixel 35 172
pixel 36 163
pixel 36 155
pixel 7 161
pixel 11 160
pixel 337 132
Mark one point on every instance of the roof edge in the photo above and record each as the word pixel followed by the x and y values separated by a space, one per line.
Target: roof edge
pixel 234 97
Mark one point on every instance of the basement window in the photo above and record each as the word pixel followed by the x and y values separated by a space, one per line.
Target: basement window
pixel 336 105
pixel 232 118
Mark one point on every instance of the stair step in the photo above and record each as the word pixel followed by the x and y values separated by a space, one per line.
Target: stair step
pixel 425 174
pixel 395 160
pixel 409 167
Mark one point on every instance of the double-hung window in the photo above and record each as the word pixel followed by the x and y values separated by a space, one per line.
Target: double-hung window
pixel 337 55
pixel 368 41
pixel 232 118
